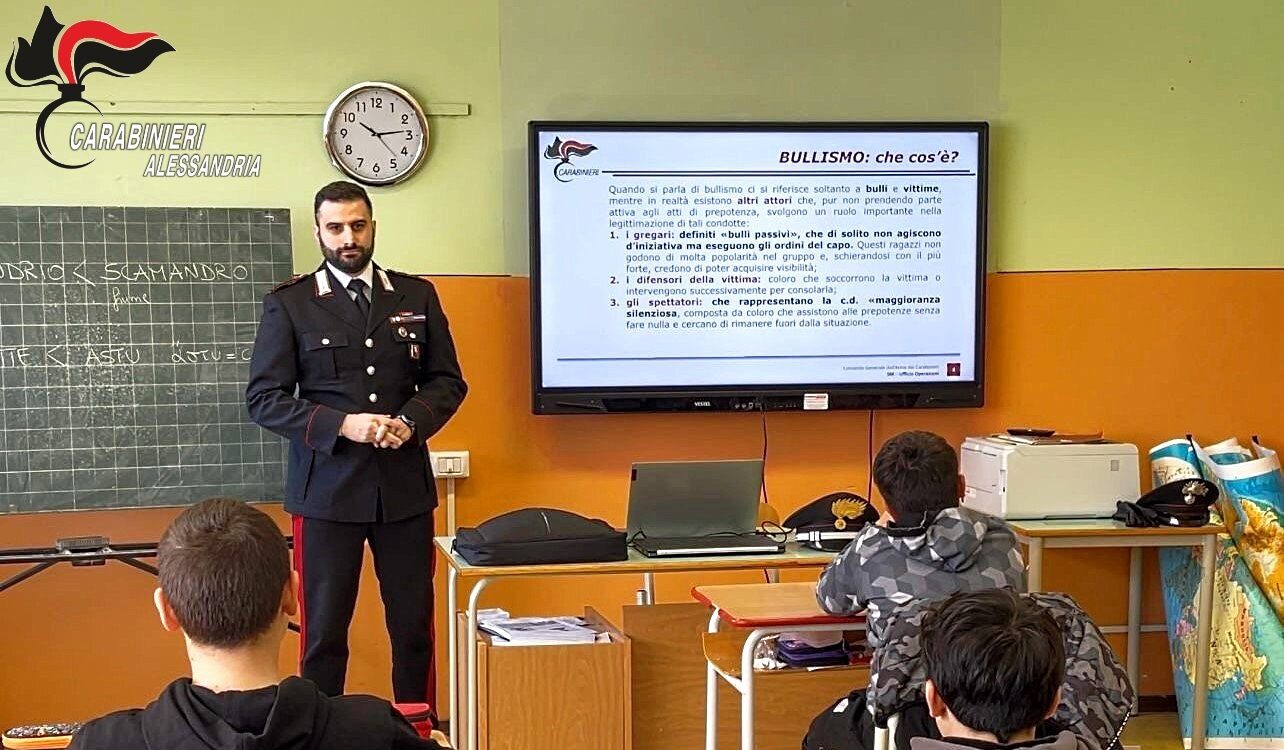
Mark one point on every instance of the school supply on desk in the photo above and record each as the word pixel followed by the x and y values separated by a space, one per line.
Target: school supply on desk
pixel 684 508
pixel 1037 436
pixel 798 653
pixel 540 536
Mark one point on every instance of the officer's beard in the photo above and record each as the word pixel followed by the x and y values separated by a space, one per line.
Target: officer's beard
pixel 351 259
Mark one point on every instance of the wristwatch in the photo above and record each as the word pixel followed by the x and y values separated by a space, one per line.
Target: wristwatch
pixel 408 421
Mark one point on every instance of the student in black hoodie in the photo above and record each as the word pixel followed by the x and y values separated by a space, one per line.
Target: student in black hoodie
pixel 226 584
pixel 995 662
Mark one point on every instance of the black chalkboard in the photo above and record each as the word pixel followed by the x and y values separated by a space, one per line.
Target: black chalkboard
pixel 125 338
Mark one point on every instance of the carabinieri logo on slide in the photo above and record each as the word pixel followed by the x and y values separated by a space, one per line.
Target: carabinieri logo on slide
pixel 64 55
pixel 563 151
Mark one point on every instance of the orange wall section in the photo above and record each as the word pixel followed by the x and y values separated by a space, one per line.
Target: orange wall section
pixel 1142 355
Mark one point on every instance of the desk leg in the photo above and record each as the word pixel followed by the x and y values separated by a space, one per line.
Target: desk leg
pixel 711 695
pixel 746 685
pixel 452 607
pixel 1134 623
pixel 1203 643
pixel 1034 566
pixel 471 635
pixel 648 585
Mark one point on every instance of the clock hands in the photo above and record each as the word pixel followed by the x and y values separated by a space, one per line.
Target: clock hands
pixel 385 145
pixel 380 136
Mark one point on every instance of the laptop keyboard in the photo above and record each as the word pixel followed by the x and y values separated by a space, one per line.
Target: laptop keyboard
pixel 702 542
pixel 727 544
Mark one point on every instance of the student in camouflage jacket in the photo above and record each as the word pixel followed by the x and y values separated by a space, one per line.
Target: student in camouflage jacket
pixel 1096 695
pixel 931 549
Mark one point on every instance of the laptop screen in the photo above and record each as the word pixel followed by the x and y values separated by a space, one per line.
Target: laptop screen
pixel 694 498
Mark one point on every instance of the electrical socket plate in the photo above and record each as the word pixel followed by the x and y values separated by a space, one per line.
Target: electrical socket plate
pixel 452 464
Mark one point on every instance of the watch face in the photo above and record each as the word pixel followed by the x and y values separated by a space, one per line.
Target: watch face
pixel 376 133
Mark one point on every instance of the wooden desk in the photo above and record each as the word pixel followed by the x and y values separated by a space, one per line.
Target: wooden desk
pixel 481 576
pixel 767 608
pixel 1065 534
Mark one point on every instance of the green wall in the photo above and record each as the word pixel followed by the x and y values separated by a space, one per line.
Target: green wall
pixel 1126 135
pixel 736 60
pixel 1147 133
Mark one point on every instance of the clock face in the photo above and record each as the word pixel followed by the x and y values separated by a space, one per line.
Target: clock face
pixel 376 133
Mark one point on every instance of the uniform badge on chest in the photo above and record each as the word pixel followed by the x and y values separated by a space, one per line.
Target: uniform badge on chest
pixel 408 329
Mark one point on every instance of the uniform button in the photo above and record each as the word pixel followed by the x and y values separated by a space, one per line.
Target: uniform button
pixel 369 343
pixel 413 336
pixel 374 397
pixel 401 331
pixel 370 370
pixel 325 342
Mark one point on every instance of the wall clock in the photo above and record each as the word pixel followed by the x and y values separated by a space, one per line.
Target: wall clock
pixel 376 133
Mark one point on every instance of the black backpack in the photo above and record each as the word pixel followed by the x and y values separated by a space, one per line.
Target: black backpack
pixel 540 536
pixel 848 725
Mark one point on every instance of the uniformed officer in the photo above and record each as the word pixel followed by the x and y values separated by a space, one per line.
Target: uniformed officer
pixel 355 365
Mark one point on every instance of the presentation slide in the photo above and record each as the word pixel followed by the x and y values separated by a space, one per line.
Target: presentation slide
pixel 706 258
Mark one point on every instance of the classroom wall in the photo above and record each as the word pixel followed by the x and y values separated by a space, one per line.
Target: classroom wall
pixel 1143 354
pixel 731 60
pixel 1139 135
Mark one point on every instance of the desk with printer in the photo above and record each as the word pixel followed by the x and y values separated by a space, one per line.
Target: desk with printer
pixel 1077 492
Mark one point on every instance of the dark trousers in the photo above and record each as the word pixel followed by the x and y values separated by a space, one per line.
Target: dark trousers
pixel 328 556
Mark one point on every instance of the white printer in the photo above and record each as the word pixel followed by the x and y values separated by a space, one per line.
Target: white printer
pixel 1011 479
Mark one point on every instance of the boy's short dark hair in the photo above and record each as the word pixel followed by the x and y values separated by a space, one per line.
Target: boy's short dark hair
pixel 223 567
pixel 997 659
pixel 917 474
pixel 341 191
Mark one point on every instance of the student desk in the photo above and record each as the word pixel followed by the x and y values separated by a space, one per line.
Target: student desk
pixel 1066 534
pixel 480 576
pixel 768 609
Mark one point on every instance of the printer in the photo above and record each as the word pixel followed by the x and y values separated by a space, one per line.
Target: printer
pixel 1011 479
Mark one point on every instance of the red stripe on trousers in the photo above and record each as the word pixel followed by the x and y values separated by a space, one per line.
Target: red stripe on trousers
pixel 430 690
pixel 298 567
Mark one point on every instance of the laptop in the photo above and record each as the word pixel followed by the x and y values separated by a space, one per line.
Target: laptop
pixel 682 508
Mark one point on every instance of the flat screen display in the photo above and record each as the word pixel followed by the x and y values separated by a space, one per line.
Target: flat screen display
pixel 697 265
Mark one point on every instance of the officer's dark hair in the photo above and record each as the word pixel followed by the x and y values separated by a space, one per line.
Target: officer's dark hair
pixel 223 568
pixel 996 658
pixel 917 474
pixel 341 191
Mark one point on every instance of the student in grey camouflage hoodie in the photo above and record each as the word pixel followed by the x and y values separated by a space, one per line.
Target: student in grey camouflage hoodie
pixel 930 549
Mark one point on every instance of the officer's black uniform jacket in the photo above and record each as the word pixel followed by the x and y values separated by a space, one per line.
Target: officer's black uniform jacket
pixel 315 361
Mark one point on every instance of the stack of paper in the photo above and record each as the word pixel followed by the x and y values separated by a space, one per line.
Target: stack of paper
pixel 1058 438
pixel 537 631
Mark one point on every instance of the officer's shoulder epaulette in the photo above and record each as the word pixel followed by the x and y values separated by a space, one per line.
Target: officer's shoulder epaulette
pixel 404 275
pixel 290 281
